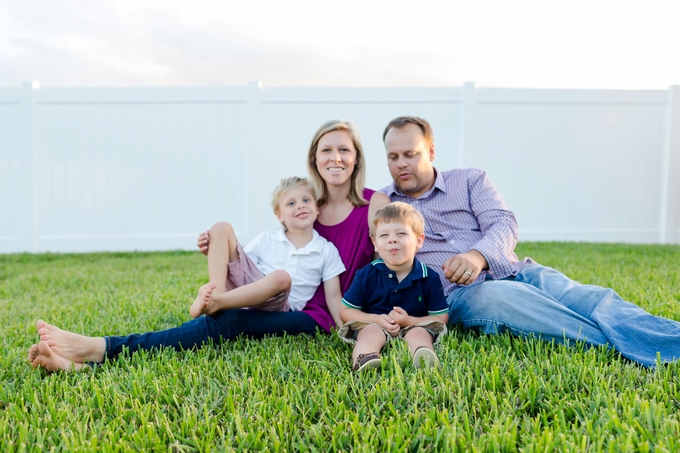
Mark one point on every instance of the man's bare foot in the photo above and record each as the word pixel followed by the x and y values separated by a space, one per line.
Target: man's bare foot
pixel 203 305
pixel 71 346
pixel 42 356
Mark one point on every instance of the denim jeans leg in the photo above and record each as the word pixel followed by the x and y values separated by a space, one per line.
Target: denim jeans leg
pixel 191 334
pixel 258 324
pixel 223 325
pixel 497 306
pixel 635 333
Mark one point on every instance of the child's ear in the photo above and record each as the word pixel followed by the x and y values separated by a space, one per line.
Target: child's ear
pixel 375 247
pixel 419 241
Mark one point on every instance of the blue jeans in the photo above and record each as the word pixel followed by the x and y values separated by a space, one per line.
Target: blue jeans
pixel 543 302
pixel 223 325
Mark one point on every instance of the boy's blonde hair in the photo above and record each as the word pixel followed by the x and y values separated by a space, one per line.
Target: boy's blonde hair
pixel 399 212
pixel 284 186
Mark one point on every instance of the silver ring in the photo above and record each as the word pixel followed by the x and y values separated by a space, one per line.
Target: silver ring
pixel 468 273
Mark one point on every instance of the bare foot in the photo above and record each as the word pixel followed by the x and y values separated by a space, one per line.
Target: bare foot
pixel 71 346
pixel 203 305
pixel 42 356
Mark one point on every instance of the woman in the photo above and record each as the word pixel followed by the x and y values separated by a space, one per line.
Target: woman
pixel 337 169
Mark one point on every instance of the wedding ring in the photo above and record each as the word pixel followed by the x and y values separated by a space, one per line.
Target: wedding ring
pixel 468 273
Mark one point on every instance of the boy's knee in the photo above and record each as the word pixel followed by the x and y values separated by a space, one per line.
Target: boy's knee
pixel 281 280
pixel 221 228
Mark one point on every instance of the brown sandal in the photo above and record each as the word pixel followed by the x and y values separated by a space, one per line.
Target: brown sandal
pixel 368 360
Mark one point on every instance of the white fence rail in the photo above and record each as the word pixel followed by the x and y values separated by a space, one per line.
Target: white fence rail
pixel 86 169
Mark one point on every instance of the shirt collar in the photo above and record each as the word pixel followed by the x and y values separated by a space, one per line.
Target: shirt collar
pixel 312 246
pixel 418 271
pixel 438 184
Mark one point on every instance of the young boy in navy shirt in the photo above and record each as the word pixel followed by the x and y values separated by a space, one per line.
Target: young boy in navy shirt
pixel 396 295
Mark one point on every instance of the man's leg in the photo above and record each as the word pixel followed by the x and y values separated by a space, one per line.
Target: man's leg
pixel 494 307
pixel 632 331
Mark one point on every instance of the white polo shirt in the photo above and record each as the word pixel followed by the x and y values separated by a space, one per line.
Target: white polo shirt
pixel 308 266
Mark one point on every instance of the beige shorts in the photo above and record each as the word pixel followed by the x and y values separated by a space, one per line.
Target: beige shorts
pixel 243 272
pixel 349 330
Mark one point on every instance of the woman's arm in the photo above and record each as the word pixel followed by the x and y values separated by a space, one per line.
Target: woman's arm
pixel 378 200
pixel 331 288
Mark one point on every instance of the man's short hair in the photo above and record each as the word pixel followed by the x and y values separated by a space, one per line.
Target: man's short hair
pixel 400 212
pixel 403 121
pixel 284 186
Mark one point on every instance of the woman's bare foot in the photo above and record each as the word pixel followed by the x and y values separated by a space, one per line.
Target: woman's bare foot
pixel 41 355
pixel 203 305
pixel 71 346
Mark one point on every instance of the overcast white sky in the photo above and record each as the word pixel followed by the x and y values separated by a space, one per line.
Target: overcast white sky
pixel 499 43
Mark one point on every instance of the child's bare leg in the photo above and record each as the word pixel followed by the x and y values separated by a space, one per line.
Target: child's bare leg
pixel 245 296
pixel 418 337
pixel 370 339
pixel 71 346
pixel 222 251
pixel 41 355
pixel 419 343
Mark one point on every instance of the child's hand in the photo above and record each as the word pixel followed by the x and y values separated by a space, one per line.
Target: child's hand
pixel 203 241
pixel 400 316
pixel 387 323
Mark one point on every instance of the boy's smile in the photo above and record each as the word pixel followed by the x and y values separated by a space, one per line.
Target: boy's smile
pixel 397 244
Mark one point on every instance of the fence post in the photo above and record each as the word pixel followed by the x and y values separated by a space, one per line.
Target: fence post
pixel 252 141
pixel 670 197
pixel 31 155
pixel 468 149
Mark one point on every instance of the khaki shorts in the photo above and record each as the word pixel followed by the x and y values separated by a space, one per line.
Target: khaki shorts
pixel 349 330
pixel 243 272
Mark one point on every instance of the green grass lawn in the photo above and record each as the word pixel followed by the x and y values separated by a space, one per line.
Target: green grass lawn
pixel 494 393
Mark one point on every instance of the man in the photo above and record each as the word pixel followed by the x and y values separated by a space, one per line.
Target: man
pixel 470 240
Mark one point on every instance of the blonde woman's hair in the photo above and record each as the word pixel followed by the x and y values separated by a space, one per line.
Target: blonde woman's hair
pixel 284 186
pixel 399 212
pixel 358 178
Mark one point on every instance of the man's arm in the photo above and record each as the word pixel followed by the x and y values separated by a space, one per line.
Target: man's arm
pixel 498 226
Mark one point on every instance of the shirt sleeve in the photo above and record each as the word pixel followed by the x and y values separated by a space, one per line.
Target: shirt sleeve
pixel 332 263
pixel 355 297
pixel 435 301
pixel 497 224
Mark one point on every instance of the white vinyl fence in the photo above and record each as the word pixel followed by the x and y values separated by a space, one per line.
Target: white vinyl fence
pixel 89 169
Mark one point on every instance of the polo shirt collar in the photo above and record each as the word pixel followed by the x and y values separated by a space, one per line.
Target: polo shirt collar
pixel 312 246
pixel 438 184
pixel 419 270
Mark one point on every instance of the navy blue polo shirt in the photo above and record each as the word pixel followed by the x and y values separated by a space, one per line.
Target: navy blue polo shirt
pixel 375 289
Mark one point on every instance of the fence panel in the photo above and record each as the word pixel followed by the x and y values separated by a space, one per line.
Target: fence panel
pixel 84 169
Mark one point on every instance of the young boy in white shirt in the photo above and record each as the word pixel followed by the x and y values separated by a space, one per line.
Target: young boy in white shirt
pixel 395 296
pixel 278 270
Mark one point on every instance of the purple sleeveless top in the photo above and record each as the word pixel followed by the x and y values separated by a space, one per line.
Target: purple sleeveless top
pixel 351 238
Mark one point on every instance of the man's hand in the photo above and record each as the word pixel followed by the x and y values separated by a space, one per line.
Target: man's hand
pixel 400 316
pixel 464 268
pixel 387 323
pixel 203 241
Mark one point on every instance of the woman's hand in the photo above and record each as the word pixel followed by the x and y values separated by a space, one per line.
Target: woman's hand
pixel 203 241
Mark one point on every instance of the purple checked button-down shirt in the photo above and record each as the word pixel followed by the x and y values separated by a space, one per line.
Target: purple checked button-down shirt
pixel 464 211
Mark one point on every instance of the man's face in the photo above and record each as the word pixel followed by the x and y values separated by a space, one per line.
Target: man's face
pixel 410 157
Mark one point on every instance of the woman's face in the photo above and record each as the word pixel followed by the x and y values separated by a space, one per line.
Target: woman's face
pixel 336 157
